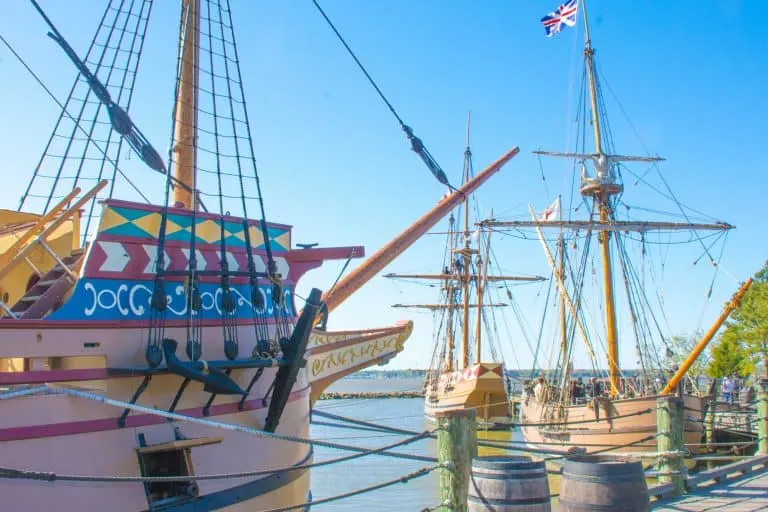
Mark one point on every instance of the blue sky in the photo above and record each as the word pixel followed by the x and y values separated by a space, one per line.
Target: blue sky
pixel 334 163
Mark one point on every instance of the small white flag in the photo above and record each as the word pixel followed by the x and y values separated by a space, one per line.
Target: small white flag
pixel 552 212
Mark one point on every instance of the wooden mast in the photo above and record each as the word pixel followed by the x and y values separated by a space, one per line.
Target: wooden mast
pixel 467 261
pixel 601 190
pixel 450 294
pixel 563 333
pixel 185 123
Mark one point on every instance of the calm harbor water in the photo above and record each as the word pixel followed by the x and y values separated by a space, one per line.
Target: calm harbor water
pixel 407 413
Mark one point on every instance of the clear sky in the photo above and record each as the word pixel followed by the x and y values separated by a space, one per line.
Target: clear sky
pixel 691 79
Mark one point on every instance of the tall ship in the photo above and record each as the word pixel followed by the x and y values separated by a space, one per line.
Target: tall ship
pixel 613 408
pixel 153 355
pixel 467 369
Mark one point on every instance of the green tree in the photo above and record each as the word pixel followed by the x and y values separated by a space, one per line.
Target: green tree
pixel 681 347
pixel 729 356
pixel 749 321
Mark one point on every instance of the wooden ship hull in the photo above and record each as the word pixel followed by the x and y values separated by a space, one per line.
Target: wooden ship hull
pixel 623 425
pixel 89 366
pixel 81 332
pixel 480 387
pixel 84 338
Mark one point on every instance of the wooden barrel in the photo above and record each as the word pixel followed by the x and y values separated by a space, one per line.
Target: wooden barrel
pixel 601 483
pixel 508 484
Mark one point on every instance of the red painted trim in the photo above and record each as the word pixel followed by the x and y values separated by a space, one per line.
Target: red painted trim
pixel 325 253
pixel 50 376
pixel 183 211
pixel 133 420
pixel 36 323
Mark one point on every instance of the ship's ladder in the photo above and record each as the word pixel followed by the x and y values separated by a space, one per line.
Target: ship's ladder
pixel 56 282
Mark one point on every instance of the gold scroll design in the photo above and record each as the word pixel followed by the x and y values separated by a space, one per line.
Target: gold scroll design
pixel 349 356
pixel 319 339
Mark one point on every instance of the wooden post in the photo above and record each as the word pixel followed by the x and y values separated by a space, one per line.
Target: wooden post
pixel 762 417
pixel 709 426
pixel 456 446
pixel 669 427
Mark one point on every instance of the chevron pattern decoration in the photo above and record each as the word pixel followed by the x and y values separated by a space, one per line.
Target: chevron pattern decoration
pixel 133 221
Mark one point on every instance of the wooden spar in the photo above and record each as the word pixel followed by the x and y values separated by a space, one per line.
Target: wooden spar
pixel 563 291
pixel 185 123
pixel 38 228
pixel 702 344
pixel 613 225
pixel 490 279
pixel 449 306
pixel 608 158
pixel 50 228
pixel 384 256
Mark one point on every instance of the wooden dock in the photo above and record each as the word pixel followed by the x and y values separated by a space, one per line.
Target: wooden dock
pixel 738 487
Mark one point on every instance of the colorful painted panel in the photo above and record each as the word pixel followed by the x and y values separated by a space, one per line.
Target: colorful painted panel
pixel 119 300
pixel 134 260
pixel 128 221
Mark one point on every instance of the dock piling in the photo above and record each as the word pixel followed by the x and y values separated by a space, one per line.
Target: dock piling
pixel 456 446
pixel 762 416
pixel 670 441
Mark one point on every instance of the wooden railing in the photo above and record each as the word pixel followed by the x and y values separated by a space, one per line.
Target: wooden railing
pixel 37 235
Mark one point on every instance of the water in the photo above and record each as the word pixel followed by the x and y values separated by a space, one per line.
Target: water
pixel 406 413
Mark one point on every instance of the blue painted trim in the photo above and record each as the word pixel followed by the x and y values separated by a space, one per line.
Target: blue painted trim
pixel 115 300
pixel 240 493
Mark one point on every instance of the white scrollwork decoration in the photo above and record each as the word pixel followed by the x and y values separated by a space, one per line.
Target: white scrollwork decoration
pixel 135 299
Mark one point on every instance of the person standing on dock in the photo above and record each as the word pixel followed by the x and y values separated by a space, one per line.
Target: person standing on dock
pixel 735 387
pixel 726 389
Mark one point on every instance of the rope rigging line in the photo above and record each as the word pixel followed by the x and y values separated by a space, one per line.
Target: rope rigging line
pixel 416 144
pixel 118 117
pixel 79 79
pixel 51 476
pixel 401 480
pixel 518 424
pixel 71 117
pixel 258 309
pixel 233 427
pixel 508 445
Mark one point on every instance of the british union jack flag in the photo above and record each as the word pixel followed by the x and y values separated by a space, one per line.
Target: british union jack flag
pixel 563 15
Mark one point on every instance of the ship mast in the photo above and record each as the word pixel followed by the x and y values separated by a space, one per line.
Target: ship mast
pixel 563 333
pixel 185 122
pixel 466 253
pixel 601 188
pixel 450 288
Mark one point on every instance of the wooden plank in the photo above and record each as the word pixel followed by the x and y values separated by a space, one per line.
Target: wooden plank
pixel 744 493
pixel 723 472
pixel 179 445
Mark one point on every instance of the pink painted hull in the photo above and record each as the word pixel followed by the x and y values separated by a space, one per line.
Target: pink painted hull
pixel 59 434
